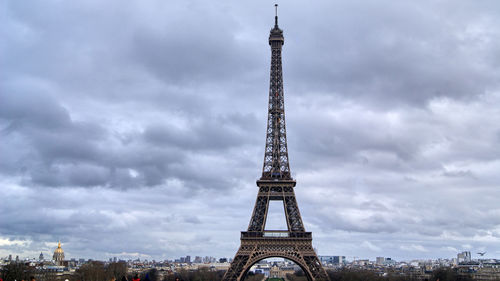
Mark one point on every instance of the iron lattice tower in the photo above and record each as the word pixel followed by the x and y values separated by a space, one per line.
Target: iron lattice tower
pixel 276 183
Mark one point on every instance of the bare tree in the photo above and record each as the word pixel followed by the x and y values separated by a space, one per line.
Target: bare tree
pixel 17 271
pixel 117 270
pixel 92 271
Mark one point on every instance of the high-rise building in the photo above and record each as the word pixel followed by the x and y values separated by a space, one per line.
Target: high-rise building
pixel 332 259
pixel 464 257
pixel 326 259
pixel 338 259
pixel 40 257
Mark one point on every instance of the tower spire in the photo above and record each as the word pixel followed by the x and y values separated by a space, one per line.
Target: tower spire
pixel 276 164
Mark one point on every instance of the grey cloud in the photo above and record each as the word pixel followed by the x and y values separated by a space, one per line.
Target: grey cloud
pixel 145 123
pixel 400 53
pixel 212 133
pixel 458 173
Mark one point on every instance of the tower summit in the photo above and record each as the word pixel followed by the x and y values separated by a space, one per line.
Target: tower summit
pixel 276 184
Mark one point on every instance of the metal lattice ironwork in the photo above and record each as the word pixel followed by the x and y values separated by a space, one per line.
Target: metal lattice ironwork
pixel 276 164
pixel 293 214
pixel 258 220
pixel 276 183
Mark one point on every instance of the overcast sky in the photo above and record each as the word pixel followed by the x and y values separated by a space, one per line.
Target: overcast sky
pixel 137 128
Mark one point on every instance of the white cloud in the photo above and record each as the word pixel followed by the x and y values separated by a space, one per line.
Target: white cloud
pixel 369 245
pixel 413 248
pixel 8 242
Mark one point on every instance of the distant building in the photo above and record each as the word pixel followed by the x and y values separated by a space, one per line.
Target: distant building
pixel 338 259
pixel 332 260
pixel 208 259
pixel 58 256
pixel 275 272
pixel 40 258
pixel 464 257
pixel 389 261
pixel 380 260
pixel 362 262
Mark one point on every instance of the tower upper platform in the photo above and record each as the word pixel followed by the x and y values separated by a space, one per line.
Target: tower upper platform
pixel 276 38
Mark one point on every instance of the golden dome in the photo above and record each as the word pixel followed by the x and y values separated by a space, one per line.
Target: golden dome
pixel 58 253
pixel 59 249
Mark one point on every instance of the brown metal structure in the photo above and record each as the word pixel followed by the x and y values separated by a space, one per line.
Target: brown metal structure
pixel 276 183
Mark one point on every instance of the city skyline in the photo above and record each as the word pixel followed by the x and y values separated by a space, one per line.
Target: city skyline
pixel 465 256
pixel 138 129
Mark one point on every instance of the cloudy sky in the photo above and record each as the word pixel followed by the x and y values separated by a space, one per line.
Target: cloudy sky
pixel 137 128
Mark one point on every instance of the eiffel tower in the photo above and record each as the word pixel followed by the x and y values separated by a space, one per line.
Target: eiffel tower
pixel 276 183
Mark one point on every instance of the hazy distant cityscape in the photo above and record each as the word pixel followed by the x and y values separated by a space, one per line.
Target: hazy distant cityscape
pixel 56 267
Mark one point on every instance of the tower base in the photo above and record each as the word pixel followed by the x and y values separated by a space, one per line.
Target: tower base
pixel 294 246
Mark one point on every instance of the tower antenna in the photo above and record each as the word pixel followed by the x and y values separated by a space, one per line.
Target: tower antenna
pixel 276 14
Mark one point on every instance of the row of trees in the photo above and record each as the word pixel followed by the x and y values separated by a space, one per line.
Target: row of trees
pixel 441 274
pixel 98 271
pixel 17 271
pixel 92 271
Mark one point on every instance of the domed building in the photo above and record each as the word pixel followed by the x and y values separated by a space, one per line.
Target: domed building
pixel 58 256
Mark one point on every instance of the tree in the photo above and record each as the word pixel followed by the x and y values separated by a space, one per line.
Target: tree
pixel 353 275
pixel 254 277
pixel 448 274
pixel 202 274
pixel 117 270
pixel 92 271
pixel 17 271
pixel 152 274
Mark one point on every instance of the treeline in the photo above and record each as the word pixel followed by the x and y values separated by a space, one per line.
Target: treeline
pixel 441 274
pixel 17 271
pixel 92 271
pixel 204 274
